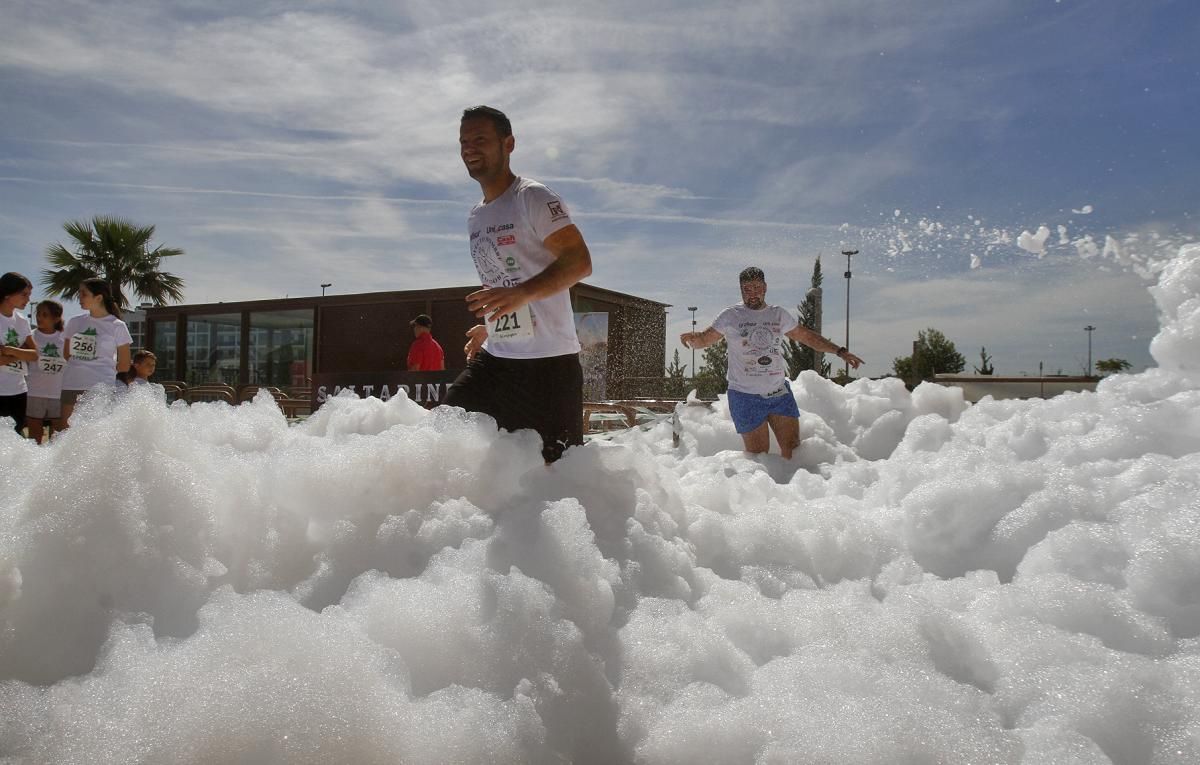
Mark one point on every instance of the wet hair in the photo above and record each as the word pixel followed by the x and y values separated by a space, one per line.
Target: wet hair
pixel 98 286
pixel 55 310
pixel 497 117
pixel 12 283
pixel 751 274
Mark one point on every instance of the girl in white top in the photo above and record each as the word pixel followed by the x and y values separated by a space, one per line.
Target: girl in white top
pixel 46 373
pixel 142 368
pixel 16 348
pixel 97 346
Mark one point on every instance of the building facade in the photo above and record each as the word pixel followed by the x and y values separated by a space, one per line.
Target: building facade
pixel 283 343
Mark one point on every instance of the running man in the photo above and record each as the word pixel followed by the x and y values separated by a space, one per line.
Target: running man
pixel 759 392
pixel 523 364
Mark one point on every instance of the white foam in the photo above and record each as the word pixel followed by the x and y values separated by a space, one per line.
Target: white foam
pixel 926 581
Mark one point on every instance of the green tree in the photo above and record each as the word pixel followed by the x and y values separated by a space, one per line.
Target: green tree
pixel 933 353
pixel 117 251
pixel 985 363
pixel 1112 366
pixel 797 356
pixel 710 380
pixel 676 383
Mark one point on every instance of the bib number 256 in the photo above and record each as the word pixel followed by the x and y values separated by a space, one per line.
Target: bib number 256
pixel 512 326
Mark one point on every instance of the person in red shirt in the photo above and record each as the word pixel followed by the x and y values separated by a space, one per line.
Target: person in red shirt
pixel 424 355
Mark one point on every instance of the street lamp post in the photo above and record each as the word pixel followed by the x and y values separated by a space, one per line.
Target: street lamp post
pixel 692 308
pixel 1089 329
pixel 323 286
pixel 848 253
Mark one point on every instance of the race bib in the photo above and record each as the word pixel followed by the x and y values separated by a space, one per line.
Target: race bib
pixel 15 368
pixel 512 326
pixel 83 347
pixel 51 365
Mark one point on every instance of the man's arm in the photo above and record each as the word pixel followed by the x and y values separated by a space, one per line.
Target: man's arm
pixel 475 337
pixel 572 263
pixel 806 336
pixel 700 339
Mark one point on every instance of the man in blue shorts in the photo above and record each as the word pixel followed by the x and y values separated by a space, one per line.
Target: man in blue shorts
pixel 759 392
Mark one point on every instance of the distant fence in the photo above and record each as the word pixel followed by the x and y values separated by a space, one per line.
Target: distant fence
pixel 975 387
pixel 658 388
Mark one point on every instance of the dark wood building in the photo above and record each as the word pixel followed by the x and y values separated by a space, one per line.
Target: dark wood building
pixel 284 342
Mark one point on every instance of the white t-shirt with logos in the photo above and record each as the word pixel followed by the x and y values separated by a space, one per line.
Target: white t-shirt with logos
pixel 13 331
pixel 506 238
pixel 755 338
pixel 46 374
pixel 93 344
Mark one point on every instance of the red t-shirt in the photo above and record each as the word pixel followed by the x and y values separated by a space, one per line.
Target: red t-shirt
pixel 425 355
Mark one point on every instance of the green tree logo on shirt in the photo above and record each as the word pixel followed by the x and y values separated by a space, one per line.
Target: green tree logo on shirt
pixel 50 350
pixel 12 338
pixel 89 331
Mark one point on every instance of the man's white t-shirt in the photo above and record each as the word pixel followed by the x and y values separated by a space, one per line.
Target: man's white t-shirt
pixel 93 344
pixel 46 374
pixel 506 238
pixel 755 340
pixel 13 331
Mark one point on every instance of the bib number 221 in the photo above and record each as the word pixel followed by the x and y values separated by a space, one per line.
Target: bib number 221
pixel 511 326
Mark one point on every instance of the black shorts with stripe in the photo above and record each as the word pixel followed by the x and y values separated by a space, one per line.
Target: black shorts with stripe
pixel 543 394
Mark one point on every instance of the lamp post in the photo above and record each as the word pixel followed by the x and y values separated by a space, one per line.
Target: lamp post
pixel 1089 329
pixel 323 286
pixel 848 253
pixel 692 308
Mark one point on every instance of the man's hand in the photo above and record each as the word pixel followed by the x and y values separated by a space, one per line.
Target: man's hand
pixel 700 340
pixel 475 337
pixel 490 301
pixel 851 359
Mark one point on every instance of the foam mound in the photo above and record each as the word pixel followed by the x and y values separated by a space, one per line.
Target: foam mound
pixel 927 581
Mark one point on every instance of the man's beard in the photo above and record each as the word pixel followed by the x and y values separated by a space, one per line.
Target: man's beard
pixel 754 303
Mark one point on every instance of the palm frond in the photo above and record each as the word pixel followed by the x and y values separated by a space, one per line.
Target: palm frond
pixel 118 250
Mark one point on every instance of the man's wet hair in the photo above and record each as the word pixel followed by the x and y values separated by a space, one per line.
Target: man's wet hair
pixel 751 274
pixel 498 118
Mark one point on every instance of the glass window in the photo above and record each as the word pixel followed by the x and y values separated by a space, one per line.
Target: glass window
pixel 164 349
pixel 281 348
pixel 213 348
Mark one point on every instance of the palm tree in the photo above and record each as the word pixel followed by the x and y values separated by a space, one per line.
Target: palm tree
pixel 118 251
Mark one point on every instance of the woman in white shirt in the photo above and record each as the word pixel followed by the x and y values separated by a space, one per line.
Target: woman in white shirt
pixel 16 349
pixel 97 346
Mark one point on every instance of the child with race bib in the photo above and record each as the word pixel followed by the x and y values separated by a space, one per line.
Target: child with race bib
pixel 16 348
pixel 46 373
pixel 97 346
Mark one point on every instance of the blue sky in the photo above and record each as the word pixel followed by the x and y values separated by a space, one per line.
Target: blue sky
pixel 289 144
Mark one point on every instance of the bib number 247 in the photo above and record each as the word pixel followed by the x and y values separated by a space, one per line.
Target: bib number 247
pixel 511 326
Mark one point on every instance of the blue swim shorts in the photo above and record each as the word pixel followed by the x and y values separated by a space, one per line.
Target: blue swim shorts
pixel 749 410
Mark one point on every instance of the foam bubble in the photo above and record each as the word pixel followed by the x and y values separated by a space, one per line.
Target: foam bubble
pixel 926 581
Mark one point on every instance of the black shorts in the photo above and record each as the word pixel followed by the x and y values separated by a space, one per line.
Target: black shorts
pixel 14 406
pixel 545 395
